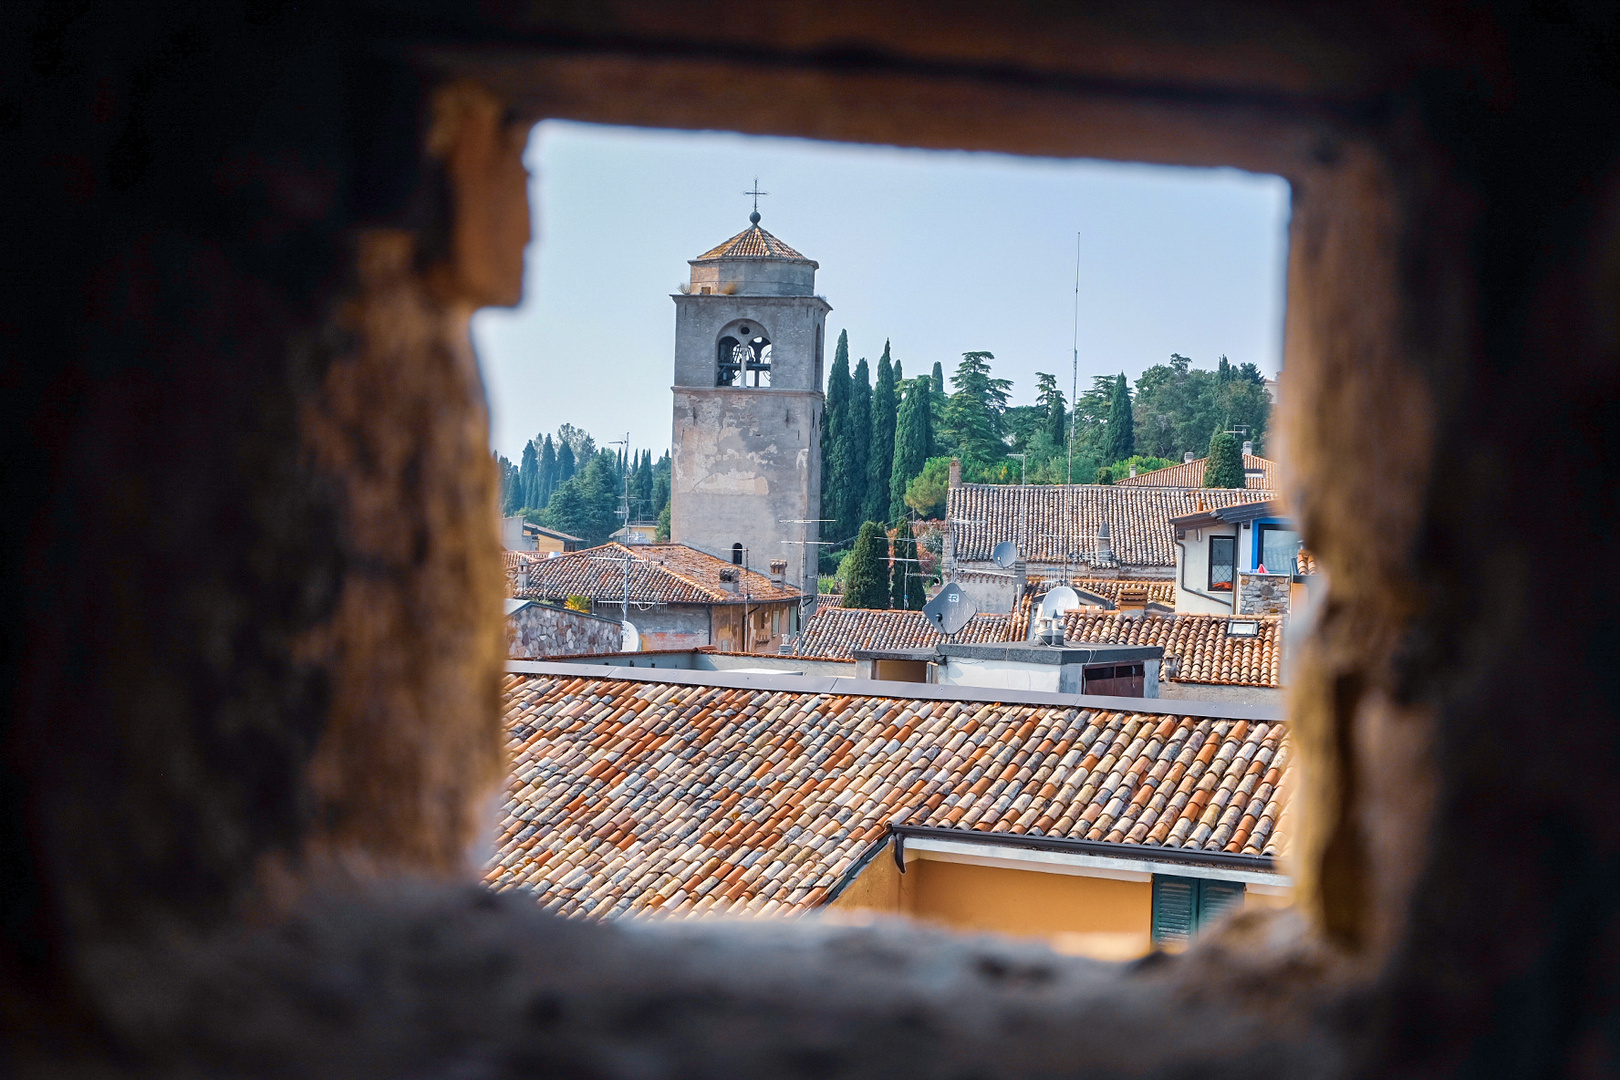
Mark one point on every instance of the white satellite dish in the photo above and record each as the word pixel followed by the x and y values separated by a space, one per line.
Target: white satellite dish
pixel 1057 601
pixel 632 637
pixel 950 609
pixel 1005 555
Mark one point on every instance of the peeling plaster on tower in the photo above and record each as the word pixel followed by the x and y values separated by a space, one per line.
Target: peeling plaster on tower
pixel 746 463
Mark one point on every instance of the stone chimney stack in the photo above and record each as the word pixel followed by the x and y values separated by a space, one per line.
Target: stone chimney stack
pixel 1187 457
pixel 956 472
pixel 1105 544
pixel 1248 448
pixel 1133 470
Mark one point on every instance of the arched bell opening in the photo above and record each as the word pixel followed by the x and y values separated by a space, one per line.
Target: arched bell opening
pixel 743 357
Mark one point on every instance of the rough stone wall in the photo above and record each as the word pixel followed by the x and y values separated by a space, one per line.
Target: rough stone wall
pixel 537 631
pixel 1263 594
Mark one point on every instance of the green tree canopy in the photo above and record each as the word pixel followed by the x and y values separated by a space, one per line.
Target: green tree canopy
pixel 1225 468
pixel 866 582
pixel 1053 408
pixel 853 447
pixel 928 491
pixel 529 477
pixel 548 472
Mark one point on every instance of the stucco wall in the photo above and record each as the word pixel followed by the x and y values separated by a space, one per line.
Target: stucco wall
pixel 1192 578
pixel 744 462
pixel 536 631
pixel 667 626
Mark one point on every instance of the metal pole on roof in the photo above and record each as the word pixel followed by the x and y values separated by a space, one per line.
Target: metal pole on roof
pixel 1074 387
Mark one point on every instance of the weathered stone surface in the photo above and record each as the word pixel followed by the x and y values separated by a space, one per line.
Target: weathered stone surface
pixel 536 631
pixel 1263 594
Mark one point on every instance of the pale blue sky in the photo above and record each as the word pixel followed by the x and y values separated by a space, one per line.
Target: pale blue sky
pixel 941 252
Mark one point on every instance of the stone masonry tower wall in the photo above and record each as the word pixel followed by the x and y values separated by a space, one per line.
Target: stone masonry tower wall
pixel 749 338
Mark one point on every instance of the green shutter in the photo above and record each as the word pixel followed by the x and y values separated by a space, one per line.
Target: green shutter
pixel 1216 898
pixel 1175 905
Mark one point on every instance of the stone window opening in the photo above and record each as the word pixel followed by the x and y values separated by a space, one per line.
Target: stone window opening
pixel 1428 284
pixel 744 358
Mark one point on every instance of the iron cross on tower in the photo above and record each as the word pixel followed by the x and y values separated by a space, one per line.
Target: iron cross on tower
pixel 756 193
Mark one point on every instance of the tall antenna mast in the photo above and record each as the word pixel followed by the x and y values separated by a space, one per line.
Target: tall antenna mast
pixel 1074 387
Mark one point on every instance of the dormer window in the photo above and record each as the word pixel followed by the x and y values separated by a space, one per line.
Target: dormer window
pixel 744 357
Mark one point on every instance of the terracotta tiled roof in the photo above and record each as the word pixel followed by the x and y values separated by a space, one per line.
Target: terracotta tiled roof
pixel 1208 654
pixel 1191 474
pixel 839 631
pixel 631 797
pixel 1051 522
pixel 752 243
pixel 1161 590
pixel 660 574
pixel 829 599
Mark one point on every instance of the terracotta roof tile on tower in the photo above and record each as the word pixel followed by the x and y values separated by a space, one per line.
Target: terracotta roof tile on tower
pixel 839 631
pixel 1191 474
pixel 752 243
pixel 1057 523
pixel 630 796
pixel 659 574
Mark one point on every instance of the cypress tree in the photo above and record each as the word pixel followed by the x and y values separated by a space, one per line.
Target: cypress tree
pixel 866 582
pixel 660 484
pixel 1225 467
pixel 643 486
pixel 939 378
pixel 565 463
pixel 548 472
pixel 913 438
pixel 835 427
pixel 856 447
pixel 880 455
pixel 529 478
pixel 1121 424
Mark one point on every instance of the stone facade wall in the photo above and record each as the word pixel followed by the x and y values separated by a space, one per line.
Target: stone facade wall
pixel 537 631
pixel 1263 594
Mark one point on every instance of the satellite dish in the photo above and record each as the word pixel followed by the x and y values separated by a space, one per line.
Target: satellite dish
pixel 632 637
pixel 1057 601
pixel 950 610
pixel 1005 555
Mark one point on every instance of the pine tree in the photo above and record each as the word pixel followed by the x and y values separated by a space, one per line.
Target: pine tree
pixel 973 414
pixel 866 579
pixel 913 438
pixel 529 477
pixel 1225 468
pixel 548 472
pixel 880 455
pixel 1121 424
pixel 854 450
pixel 835 425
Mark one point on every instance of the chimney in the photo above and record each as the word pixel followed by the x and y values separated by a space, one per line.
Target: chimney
pixel 1133 470
pixel 1133 600
pixel 778 570
pixel 956 472
pixel 1105 546
pixel 1248 448
pixel 1187 457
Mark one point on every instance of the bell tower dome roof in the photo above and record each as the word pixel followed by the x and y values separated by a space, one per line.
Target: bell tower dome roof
pixel 752 243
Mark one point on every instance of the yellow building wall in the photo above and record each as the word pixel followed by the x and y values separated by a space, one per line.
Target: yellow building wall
pixel 544 543
pixel 1094 916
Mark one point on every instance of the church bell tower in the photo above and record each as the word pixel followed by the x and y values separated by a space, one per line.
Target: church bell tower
pixel 746 459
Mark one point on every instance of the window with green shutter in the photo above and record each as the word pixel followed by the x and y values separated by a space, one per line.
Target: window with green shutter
pixel 1181 905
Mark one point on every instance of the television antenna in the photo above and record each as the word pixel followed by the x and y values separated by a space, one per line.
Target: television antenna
pixel 1074 387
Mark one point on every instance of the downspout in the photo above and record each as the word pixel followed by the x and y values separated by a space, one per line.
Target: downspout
pixel 1229 601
